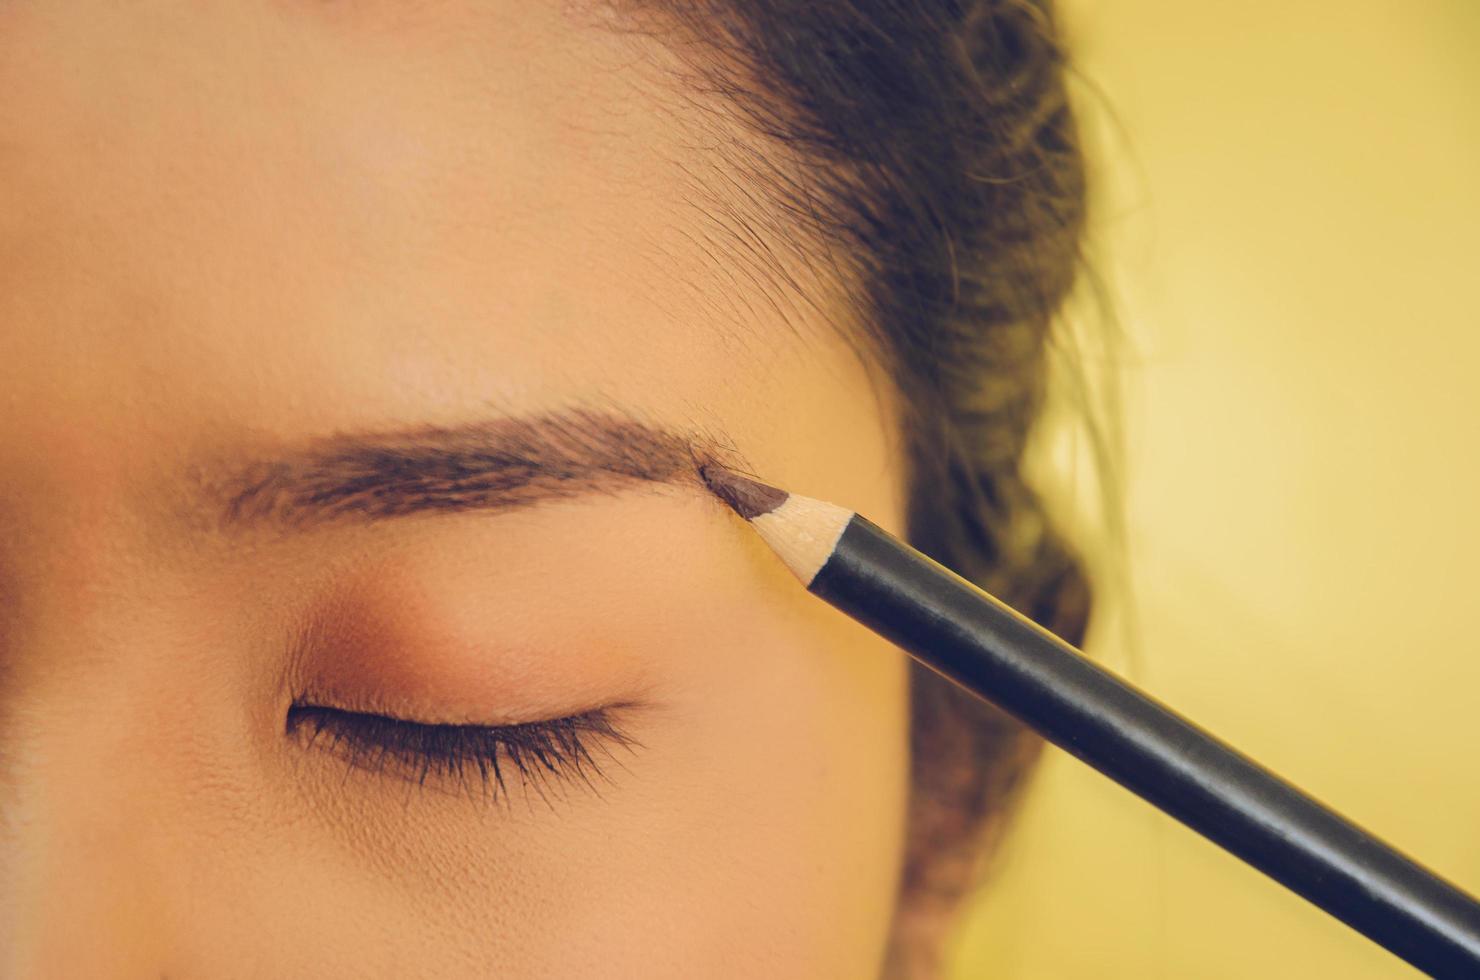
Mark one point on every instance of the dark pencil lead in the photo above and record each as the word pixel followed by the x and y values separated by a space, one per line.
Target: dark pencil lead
pixel 749 498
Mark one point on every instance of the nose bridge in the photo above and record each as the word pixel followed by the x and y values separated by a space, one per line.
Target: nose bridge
pixel 80 879
pixel 117 694
pixel 95 689
pixel 82 827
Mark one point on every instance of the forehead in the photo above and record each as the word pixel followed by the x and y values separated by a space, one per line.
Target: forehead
pixel 292 218
pixel 296 210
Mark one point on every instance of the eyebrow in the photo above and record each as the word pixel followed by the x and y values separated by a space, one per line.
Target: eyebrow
pixel 495 464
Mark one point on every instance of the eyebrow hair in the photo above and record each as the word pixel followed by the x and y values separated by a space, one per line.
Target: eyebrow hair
pixel 496 464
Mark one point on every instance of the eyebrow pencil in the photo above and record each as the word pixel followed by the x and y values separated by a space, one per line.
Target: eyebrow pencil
pixel 1002 656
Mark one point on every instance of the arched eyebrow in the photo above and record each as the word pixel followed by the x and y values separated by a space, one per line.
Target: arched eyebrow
pixel 495 464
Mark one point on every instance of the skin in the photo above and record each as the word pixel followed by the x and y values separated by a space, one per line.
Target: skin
pixel 236 226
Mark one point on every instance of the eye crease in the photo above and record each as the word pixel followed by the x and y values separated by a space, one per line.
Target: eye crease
pixel 478 759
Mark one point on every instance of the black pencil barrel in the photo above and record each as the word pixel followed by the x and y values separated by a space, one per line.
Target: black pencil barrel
pixel 973 638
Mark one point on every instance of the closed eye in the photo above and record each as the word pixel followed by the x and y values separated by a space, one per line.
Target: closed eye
pixel 476 758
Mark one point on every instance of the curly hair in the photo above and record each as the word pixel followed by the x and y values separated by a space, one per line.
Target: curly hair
pixel 927 151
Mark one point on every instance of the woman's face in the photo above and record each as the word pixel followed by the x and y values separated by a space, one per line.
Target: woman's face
pixel 251 231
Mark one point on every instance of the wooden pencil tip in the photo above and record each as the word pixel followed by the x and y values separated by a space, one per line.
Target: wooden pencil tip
pixel 749 498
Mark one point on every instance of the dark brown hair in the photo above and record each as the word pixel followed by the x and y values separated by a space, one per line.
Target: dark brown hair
pixel 927 149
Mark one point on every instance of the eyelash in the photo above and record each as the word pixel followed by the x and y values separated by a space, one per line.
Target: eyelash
pixel 557 751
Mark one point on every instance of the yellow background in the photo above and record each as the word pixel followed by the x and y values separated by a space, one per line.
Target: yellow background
pixel 1291 229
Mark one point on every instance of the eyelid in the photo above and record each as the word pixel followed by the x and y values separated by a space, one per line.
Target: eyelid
pixel 548 753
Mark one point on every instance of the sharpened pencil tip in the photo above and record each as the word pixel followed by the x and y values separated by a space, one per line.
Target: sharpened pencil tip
pixel 748 498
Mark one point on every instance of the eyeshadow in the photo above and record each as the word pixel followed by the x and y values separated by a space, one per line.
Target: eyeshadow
pixel 426 640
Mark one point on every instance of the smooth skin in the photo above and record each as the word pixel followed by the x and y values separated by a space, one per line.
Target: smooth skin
pixel 242 224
